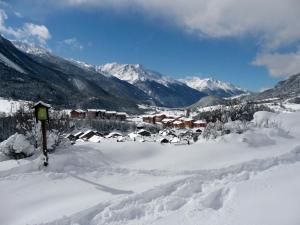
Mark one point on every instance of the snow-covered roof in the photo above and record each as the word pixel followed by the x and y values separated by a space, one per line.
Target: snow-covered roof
pixel 85 133
pixel 92 110
pixel 79 110
pixel 43 104
pixel 122 113
pixel 78 134
pixel 186 119
pixel 111 112
pixel 199 121
pixel 112 134
pixel 160 114
pixel 95 139
pixel 175 140
pixel 142 131
pixel 166 120
pixel 177 122
pixel 148 116
pixel 132 135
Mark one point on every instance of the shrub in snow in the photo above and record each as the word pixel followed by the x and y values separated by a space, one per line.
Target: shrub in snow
pixel 237 126
pixel 214 130
pixel 264 119
pixel 17 146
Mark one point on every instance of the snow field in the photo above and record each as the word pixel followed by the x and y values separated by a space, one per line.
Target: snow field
pixel 248 179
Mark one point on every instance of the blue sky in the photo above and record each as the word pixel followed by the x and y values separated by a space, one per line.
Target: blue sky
pixel 175 41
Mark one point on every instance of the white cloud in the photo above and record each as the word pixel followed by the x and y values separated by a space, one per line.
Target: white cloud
pixel 73 43
pixel 275 23
pixel 39 31
pixel 280 65
pixel 28 32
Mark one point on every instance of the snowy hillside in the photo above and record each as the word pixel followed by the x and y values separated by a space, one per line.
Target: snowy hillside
pixel 249 178
pixel 212 86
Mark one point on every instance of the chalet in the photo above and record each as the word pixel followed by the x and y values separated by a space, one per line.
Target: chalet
pixel 159 117
pixel 121 116
pixel 91 113
pixel 101 113
pixel 188 122
pixel 178 124
pixel 200 123
pixel 167 122
pixel 149 119
pixel 77 113
pixel 87 135
pixel 110 115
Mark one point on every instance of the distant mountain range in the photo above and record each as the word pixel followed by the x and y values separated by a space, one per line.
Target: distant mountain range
pixel 214 87
pixel 33 74
pixel 30 72
pixel 164 90
pixel 285 89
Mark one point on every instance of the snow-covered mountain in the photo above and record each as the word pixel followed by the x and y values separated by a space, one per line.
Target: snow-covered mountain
pixel 164 90
pixel 30 72
pixel 31 48
pixel 212 86
pixel 133 73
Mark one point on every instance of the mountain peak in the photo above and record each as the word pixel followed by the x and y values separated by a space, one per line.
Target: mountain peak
pixel 31 48
pixel 212 86
pixel 133 73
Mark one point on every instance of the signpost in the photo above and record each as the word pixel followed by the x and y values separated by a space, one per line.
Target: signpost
pixel 41 111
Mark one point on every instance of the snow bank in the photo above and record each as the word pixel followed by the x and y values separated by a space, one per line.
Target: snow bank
pixel 17 144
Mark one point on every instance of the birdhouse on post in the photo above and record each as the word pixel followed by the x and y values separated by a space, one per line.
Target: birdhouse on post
pixel 41 112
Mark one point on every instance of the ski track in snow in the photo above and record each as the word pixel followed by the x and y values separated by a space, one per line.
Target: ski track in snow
pixel 202 189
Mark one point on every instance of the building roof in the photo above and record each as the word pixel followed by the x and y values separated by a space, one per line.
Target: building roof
pixel 148 116
pixel 186 119
pixel 112 134
pixel 42 103
pixel 199 122
pixel 111 112
pixel 166 120
pixel 78 134
pixel 121 113
pixel 78 110
pixel 85 133
pixel 177 122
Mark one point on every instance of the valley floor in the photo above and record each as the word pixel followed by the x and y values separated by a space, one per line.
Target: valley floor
pixel 250 179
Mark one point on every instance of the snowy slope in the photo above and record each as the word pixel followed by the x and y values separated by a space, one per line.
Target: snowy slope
pixel 246 179
pixel 212 86
pixel 11 64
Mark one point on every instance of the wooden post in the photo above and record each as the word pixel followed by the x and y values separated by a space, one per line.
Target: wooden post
pixel 44 135
pixel 42 114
